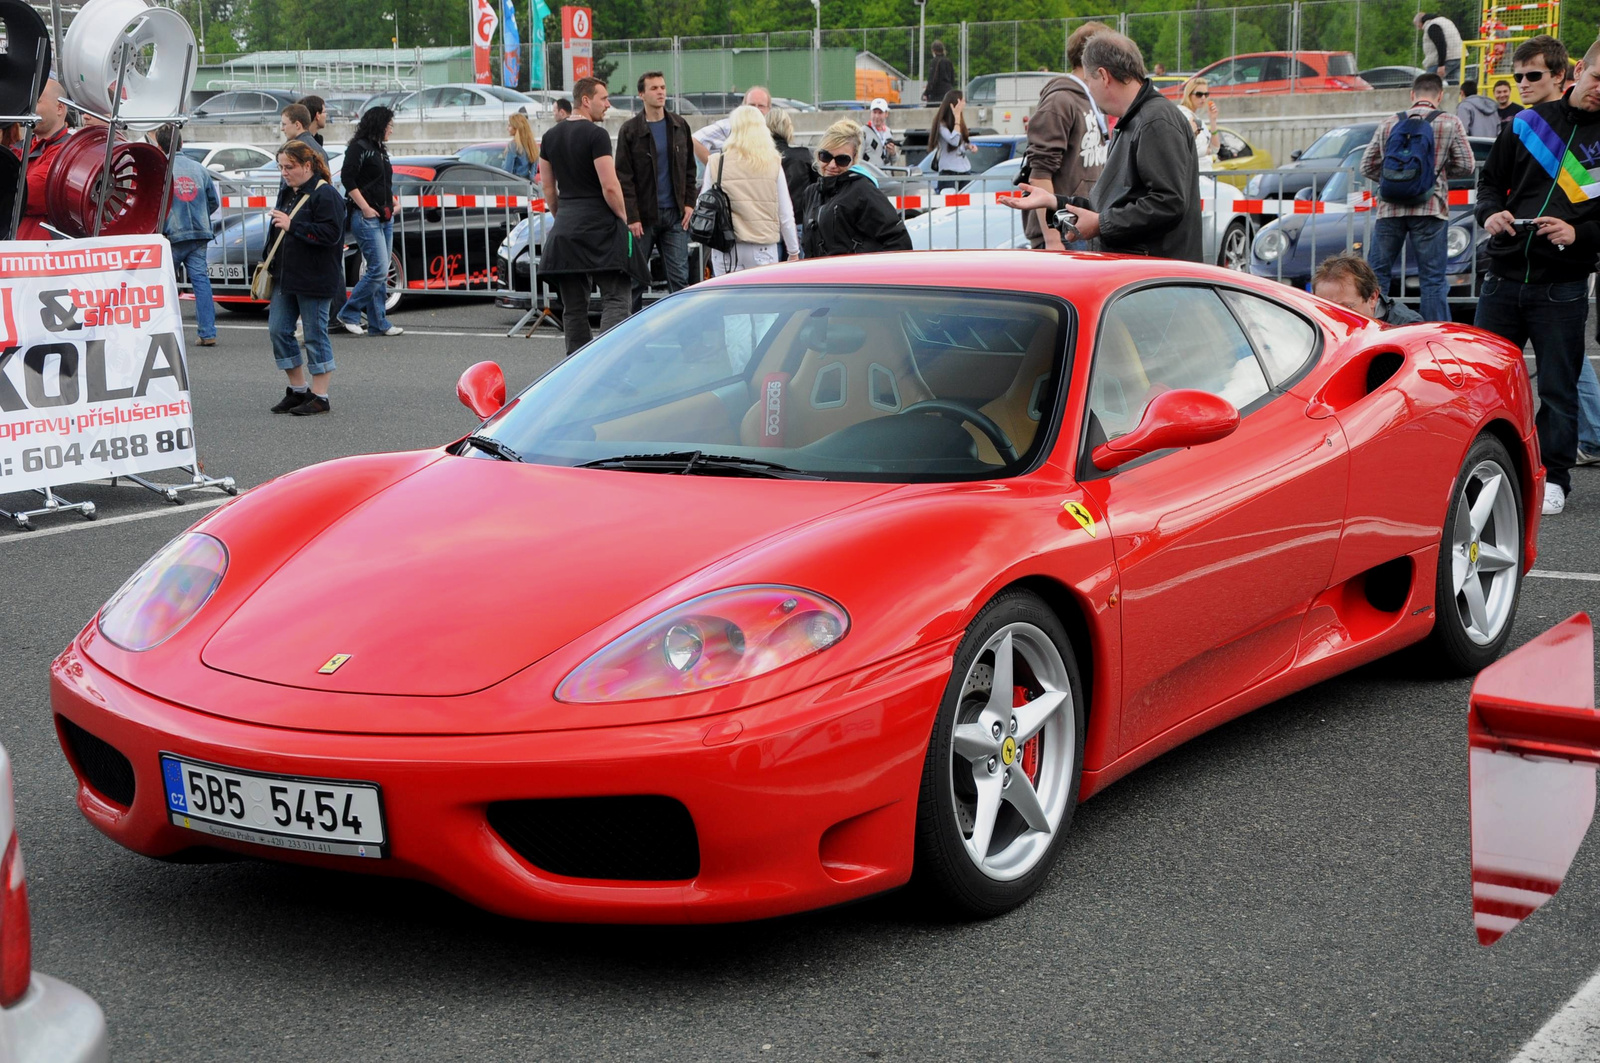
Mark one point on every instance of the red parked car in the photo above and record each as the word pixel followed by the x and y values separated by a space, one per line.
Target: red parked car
pixel 807 579
pixel 1273 73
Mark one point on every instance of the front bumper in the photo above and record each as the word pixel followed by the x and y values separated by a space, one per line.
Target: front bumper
pixel 53 1023
pixel 801 802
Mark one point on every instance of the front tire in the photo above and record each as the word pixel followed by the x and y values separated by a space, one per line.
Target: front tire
pixel 1234 250
pixel 1479 578
pixel 1000 781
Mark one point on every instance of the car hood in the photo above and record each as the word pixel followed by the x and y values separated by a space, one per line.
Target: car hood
pixel 453 579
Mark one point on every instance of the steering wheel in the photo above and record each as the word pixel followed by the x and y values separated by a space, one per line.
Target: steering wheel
pixel 955 411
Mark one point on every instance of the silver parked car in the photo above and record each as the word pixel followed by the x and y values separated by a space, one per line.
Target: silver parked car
pixel 1225 233
pixel 42 1019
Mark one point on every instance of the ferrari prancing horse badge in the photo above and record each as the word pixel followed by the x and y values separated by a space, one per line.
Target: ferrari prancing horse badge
pixel 1082 516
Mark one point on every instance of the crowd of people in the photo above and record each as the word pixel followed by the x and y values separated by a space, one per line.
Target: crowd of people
pixel 1111 164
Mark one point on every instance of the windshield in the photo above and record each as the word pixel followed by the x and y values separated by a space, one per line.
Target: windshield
pixel 1331 144
pixel 847 384
pixel 1347 179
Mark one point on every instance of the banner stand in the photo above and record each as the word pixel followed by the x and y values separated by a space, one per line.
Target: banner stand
pixel 23 517
pixel 170 491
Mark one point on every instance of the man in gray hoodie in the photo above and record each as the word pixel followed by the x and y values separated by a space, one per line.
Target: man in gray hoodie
pixel 1479 115
pixel 1066 139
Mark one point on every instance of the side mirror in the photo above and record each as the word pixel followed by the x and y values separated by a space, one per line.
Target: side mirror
pixel 1295 155
pixel 215 167
pixel 1306 194
pixel 482 389
pixel 1533 740
pixel 1182 418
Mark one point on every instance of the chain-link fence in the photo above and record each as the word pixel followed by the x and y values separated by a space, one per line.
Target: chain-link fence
pixel 855 64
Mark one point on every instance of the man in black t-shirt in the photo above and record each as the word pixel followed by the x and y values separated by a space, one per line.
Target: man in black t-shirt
pixel 588 244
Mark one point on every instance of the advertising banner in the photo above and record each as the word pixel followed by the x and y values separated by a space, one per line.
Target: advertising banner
pixel 484 22
pixel 93 378
pixel 577 45
pixel 536 71
pixel 510 48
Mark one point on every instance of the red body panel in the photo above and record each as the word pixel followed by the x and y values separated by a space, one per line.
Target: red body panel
pixel 1212 580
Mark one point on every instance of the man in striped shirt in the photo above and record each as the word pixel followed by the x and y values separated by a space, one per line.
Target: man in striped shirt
pixel 1425 225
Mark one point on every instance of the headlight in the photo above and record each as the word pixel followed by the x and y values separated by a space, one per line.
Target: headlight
pixel 1457 241
pixel 723 637
pixel 1271 245
pixel 165 593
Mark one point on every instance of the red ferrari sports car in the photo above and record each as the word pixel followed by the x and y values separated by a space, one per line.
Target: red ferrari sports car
pixel 807 580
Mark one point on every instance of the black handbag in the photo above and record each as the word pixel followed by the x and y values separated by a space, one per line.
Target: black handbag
pixel 712 221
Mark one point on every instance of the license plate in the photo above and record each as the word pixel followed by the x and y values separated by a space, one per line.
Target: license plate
pixel 283 811
pixel 222 271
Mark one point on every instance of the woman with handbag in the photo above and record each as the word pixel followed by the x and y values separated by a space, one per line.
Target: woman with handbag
pixel 304 269
pixel 948 138
pixel 749 171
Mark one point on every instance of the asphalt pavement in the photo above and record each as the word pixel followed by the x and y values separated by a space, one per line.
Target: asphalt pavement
pixel 1293 885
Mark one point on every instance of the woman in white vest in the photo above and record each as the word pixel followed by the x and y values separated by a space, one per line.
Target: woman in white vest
pixel 751 172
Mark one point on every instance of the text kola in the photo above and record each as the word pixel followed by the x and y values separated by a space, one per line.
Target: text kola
pixel 162 358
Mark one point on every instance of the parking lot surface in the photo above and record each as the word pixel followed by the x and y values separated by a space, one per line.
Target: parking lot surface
pixel 1293 885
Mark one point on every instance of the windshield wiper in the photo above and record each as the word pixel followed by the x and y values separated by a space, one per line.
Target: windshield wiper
pixel 491 445
pixel 699 463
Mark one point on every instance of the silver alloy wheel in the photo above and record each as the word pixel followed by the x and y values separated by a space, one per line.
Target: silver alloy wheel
pixel 1485 552
pixel 1009 809
pixel 397 283
pixel 1236 247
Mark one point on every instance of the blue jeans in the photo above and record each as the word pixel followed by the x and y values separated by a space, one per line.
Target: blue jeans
pixel 1588 409
pixel 313 316
pixel 375 237
pixel 673 240
pixel 192 253
pixel 1429 250
pixel 1552 316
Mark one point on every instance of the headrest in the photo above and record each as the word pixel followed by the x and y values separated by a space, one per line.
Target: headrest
pixel 835 338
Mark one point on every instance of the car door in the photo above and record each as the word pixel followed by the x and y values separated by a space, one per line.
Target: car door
pixel 1220 548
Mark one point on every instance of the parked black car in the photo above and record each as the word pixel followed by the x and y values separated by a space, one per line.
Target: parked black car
pixel 1311 167
pixel 1391 77
pixel 436 248
pixel 244 107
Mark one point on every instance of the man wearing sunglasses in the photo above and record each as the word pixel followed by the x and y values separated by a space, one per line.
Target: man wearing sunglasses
pixel 1545 172
pixel 1539 67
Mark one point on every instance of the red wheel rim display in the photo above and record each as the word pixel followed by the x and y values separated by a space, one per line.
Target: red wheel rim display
pixel 133 198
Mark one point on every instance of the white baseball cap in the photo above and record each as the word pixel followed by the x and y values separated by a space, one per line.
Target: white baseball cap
pixel 880 104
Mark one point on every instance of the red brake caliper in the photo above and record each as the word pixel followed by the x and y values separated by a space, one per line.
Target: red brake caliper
pixel 1020 696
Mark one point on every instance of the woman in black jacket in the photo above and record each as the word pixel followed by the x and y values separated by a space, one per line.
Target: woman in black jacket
pixel 369 187
pixel 308 271
pixel 845 213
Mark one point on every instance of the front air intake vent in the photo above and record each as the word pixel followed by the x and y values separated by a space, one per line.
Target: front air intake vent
pixel 106 770
pixel 641 838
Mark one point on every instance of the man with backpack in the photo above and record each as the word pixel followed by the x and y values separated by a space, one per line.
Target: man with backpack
pixel 1412 158
pixel 1539 200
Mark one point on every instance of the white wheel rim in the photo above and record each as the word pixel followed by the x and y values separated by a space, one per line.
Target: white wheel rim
pixel 1235 244
pixel 1006 817
pixel 1485 553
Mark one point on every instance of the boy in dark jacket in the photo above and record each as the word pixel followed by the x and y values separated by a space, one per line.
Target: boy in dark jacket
pixel 1147 200
pixel 1545 170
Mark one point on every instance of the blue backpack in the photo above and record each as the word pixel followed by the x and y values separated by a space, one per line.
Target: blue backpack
pixel 1408 172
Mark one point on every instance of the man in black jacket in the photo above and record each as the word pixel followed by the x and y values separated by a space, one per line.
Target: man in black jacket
pixel 656 169
pixel 1545 171
pixel 1147 199
pixel 941 78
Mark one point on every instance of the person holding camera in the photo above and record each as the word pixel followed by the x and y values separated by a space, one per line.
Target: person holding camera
pixel 1541 206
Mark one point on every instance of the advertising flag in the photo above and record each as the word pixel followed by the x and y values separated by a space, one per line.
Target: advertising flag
pixel 536 60
pixel 510 48
pixel 484 22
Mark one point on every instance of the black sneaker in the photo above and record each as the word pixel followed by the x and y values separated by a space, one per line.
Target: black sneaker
pixel 315 404
pixel 291 399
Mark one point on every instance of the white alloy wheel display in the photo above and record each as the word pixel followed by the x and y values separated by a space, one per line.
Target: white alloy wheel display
pixel 1485 552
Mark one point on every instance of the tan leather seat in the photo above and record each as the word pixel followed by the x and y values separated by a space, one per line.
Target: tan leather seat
pixel 1017 410
pixel 866 371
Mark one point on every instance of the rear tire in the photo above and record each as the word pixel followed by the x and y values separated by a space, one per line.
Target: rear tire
pixel 1479 577
pixel 1000 779
pixel 1233 250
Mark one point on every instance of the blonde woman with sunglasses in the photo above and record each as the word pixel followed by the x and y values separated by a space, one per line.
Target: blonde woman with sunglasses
pixel 845 212
pixel 1202 115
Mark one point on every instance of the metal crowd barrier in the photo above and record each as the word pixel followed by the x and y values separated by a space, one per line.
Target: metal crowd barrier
pixel 448 236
